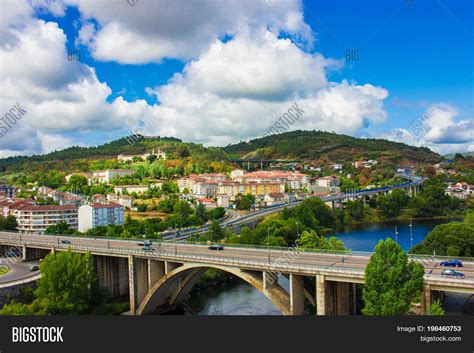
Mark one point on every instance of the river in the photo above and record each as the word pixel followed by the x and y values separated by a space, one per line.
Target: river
pixel 239 298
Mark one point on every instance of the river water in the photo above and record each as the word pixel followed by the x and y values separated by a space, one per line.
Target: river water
pixel 239 298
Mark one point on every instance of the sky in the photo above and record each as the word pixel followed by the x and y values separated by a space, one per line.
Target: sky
pixel 84 72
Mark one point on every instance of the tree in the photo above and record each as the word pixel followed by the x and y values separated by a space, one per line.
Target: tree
pixel 151 158
pixel 243 202
pixel 183 151
pixel 311 240
pixel 390 205
pixel 391 282
pixel 68 283
pixel 68 286
pixel 449 239
pixel 58 228
pixel 436 308
pixel 432 201
pixel 355 209
pixel 216 232
pixel 10 223
pixel 200 212
pixel 77 183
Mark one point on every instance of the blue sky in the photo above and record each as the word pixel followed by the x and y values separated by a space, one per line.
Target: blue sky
pixel 219 74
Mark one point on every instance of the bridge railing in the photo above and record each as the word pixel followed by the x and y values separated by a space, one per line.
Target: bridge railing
pixel 53 241
pixel 271 264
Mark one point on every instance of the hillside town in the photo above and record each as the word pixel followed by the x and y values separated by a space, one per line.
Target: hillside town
pixel 280 184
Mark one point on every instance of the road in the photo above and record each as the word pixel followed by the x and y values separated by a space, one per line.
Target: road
pixel 244 257
pixel 19 270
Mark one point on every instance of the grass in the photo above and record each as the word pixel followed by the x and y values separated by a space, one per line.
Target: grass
pixel 4 271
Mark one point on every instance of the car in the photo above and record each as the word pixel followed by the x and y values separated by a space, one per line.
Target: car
pixel 216 247
pixel 147 248
pixel 451 263
pixel 452 273
pixel 64 241
pixel 34 268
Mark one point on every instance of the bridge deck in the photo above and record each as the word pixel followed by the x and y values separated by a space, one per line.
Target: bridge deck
pixel 340 267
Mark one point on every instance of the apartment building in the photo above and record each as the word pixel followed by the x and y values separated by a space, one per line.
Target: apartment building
pixel 100 214
pixel 124 200
pixel 9 207
pixel 33 219
pixel 294 180
pixel 190 181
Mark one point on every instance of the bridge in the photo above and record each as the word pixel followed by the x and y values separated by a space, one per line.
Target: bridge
pixel 159 279
pixel 413 186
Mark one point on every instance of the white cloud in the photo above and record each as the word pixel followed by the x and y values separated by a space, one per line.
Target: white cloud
pixel 60 96
pixel 256 77
pixel 439 130
pixel 153 30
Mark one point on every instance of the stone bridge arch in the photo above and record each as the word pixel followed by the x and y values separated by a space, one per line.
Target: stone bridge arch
pixel 174 286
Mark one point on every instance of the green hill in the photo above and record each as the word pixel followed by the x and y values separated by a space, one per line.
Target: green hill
pixel 319 145
pixel 303 145
pixel 71 158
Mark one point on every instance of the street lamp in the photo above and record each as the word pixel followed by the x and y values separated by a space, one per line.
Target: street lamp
pixel 268 243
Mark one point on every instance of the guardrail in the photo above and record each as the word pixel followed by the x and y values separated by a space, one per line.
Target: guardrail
pixel 54 241
pixel 222 260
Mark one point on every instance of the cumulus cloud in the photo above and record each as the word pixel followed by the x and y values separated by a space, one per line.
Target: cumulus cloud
pixel 249 81
pixel 153 30
pixel 439 129
pixel 59 96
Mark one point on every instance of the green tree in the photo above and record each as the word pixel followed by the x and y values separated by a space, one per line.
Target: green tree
pixel 390 205
pixel 183 151
pixel 243 202
pixel 151 158
pixel 77 183
pixel 449 239
pixel 10 223
pixel 68 284
pixel 200 212
pixel 58 228
pixel 436 308
pixel 216 232
pixel 391 281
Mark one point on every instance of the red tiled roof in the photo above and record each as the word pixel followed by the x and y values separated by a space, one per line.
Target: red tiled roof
pixel 49 208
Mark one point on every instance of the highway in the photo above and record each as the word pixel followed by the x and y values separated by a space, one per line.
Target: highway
pixel 351 264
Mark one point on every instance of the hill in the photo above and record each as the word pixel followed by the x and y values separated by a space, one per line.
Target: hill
pixel 320 145
pixel 71 159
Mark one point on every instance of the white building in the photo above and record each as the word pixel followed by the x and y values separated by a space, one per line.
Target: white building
pixel 159 154
pixel 236 173
pixel 35 219
pixel 100 214
pixel 139 189
pixel 223 201
pixel 328 181
pixel 106 176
